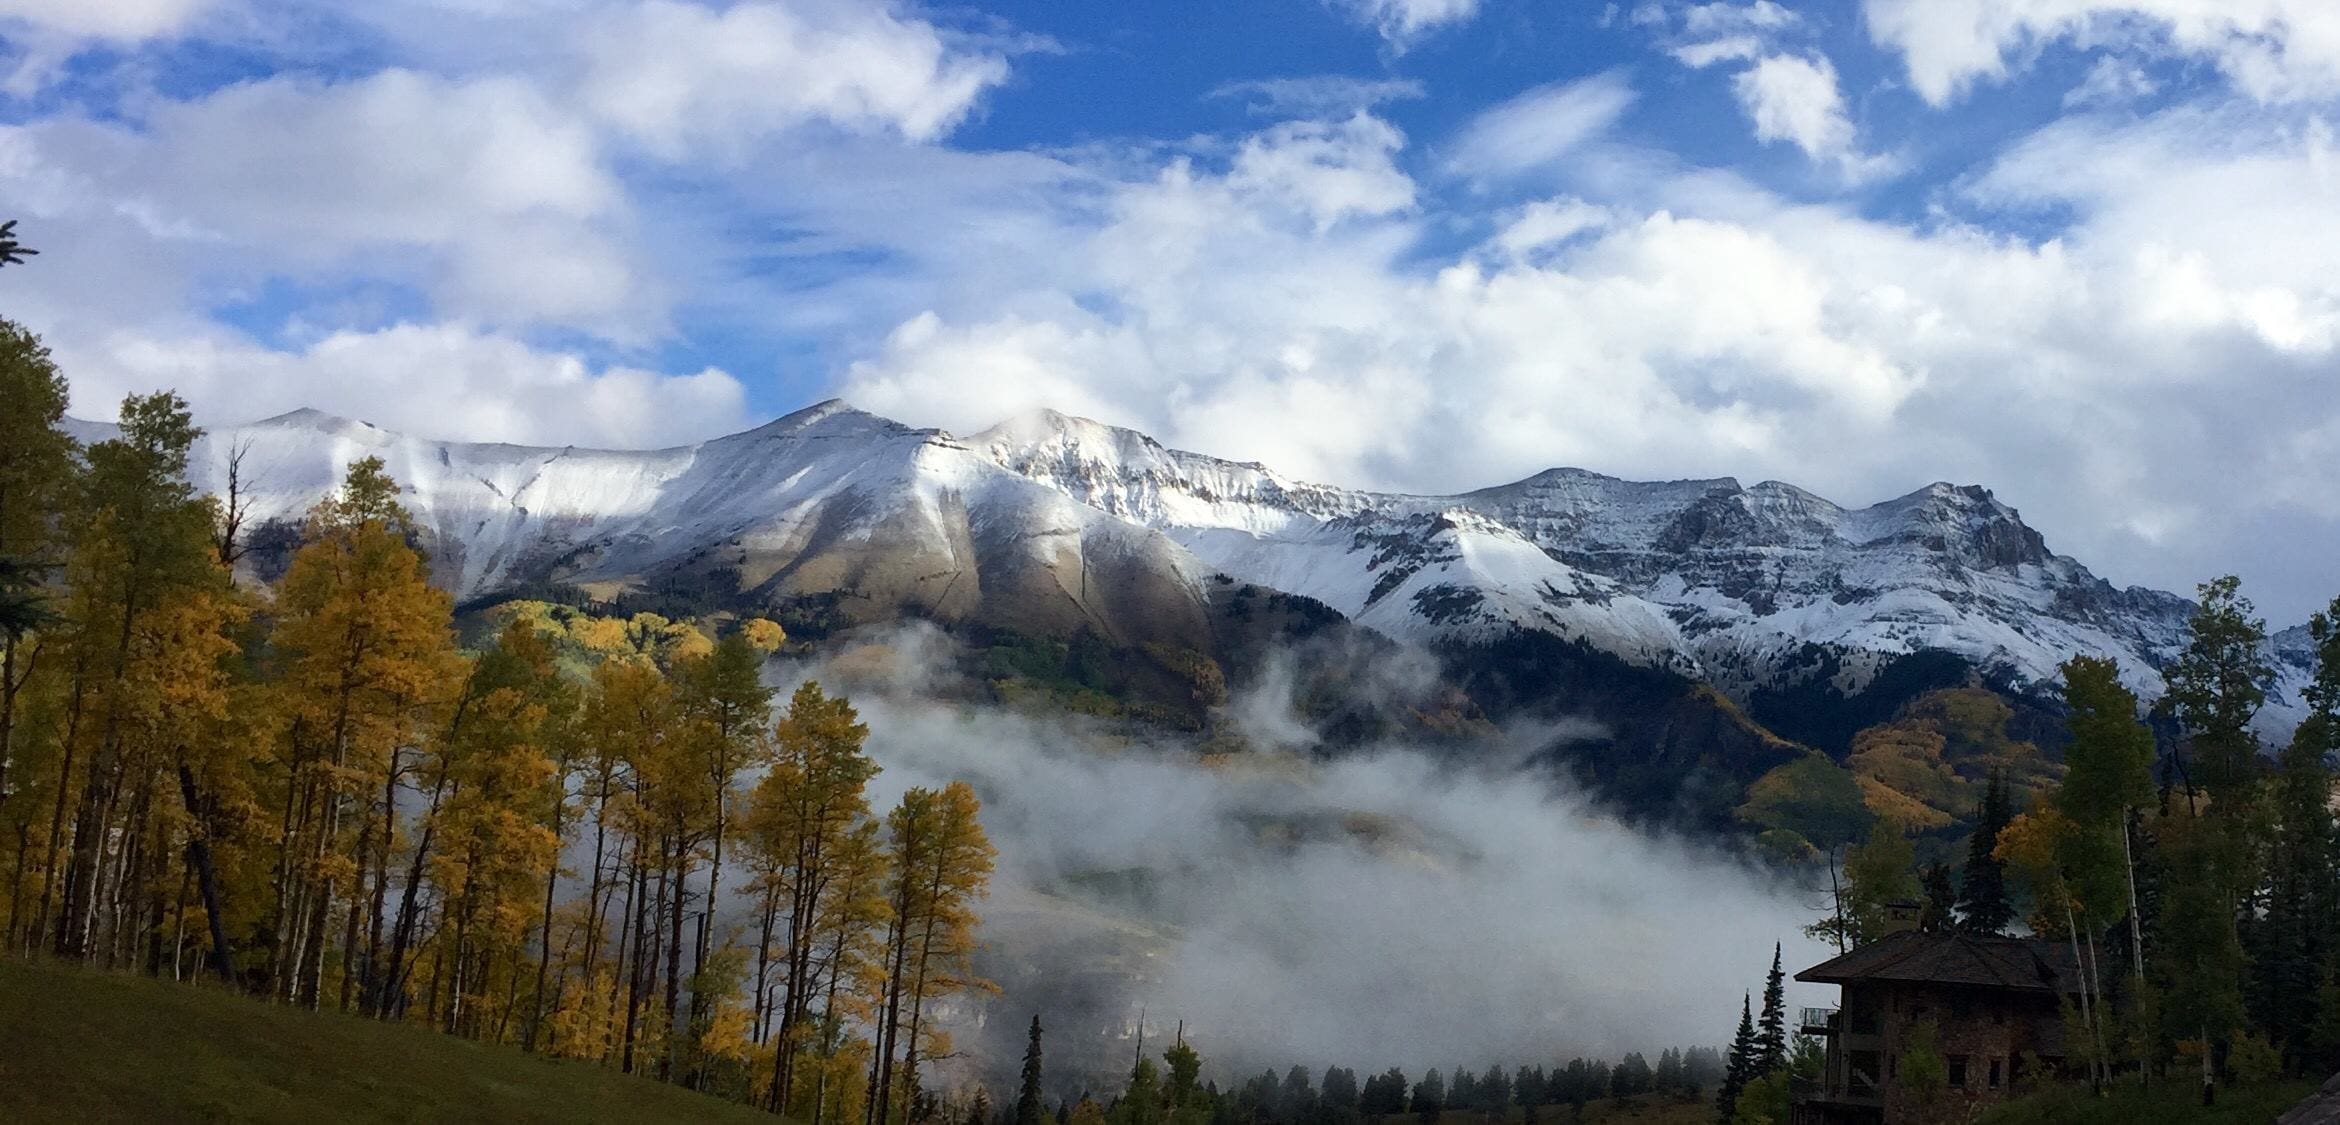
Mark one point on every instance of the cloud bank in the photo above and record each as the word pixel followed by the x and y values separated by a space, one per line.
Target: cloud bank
pixel 1383 908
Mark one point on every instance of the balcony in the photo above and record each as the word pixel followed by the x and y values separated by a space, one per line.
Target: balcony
pixel 1817 1021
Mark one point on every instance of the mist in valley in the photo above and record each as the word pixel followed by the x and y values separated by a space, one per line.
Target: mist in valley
pixel 1387 905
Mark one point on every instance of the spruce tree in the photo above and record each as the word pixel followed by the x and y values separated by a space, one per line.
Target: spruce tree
pixel 1028 1099
pixel 1982 899
pixel 1738 1068
pixel 1941 912
pixel 1771 1030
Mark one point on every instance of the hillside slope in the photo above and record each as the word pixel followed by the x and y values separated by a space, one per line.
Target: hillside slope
pixel 89 1047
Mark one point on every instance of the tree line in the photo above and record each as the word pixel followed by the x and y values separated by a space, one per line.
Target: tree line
pixel 602 839
pixel 2193 875
pixel 1175 1093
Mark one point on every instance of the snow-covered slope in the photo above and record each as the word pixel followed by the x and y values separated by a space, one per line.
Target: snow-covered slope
pixel 1734 584
pixel 1051 524
pixel 826 502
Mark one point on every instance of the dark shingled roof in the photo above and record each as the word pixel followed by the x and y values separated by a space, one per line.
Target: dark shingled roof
pixel 2022 964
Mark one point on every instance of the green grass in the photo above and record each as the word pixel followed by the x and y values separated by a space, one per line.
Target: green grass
pixel 85 1047
pixel 2167 1103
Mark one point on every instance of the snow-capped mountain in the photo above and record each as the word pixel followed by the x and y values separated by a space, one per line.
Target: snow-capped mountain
pixel 1052 524
pixel 1725 582
pixel 828 502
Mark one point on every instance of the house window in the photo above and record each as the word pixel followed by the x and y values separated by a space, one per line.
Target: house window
pixel 1958 1072
pixel 1994 1074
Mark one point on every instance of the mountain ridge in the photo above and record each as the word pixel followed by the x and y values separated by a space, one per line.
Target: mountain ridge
pixel 1057 523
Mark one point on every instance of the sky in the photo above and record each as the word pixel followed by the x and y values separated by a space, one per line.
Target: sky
pixel 2079 251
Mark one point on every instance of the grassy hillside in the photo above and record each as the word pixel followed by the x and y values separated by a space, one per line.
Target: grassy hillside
pixel 2169 1103
pixel 89 1047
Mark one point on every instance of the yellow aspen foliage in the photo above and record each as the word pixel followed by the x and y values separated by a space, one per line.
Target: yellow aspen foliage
pixel 765 635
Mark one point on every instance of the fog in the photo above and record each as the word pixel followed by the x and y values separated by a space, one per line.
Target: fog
pixel 1386 906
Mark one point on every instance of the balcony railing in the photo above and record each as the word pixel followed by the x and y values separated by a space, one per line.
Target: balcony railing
pixel 1817 1021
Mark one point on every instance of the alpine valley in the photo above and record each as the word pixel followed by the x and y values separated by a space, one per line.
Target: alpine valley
pixel 1711 631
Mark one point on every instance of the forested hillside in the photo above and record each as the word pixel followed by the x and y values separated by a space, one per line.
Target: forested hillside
pixel 312 793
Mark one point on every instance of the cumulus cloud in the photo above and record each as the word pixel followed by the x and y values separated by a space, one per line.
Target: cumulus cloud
pixel 405 377
pixel 481 192
pixel 2272 50
pixel 1679 325
pixel 1402 21
pixel 1795 99
pixel 670 73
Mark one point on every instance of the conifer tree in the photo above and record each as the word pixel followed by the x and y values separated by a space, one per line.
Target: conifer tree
pixel 1429 1098
pixel 2293 947
pixel 1983 906
pixel 1739 1065
pixel 1184 1096
pixel 1770 1052
pixel 1028 1094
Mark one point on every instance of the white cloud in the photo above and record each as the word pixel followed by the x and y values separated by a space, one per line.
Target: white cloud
pixel 1402 21
pixel 440 380
pixel 2115 383
pixel 1730 19
pixel 1330 171
pixel 1319 95
pixel 121 21
pixel 2112 81
pixel 480 192
pixel 2272 50
pixel 1531 131
pixel 670 73
pixel 1706 53
pixel 1795 99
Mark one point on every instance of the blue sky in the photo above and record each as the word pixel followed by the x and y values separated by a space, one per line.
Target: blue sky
pixel 2076 250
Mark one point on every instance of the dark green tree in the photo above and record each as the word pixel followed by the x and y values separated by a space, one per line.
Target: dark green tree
pixel 12 252
pixel 1771 1046
pixel 1029 1103
pixel 1739 1065
pixel 2292 947
pixel 2217 686
pixel 1982 895
pixel 1429 1097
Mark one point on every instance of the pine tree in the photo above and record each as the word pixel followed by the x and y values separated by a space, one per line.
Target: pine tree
pixel 2293 945
pixel 1028 1095
pixel 1983 906
pixel 1188 1101
pixel 1429 1099
pixel 1770 1052
pixel 1940 915
pixel 1739 1066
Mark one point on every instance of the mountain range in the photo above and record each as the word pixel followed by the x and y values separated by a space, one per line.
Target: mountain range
pixel 1787 605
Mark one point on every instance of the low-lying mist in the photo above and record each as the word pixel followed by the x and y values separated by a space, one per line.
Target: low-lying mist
pixel 1387 906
